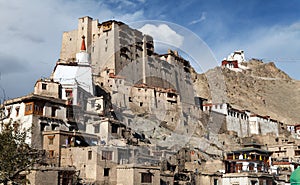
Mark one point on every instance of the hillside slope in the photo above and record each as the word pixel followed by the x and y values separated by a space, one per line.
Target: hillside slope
pixel 262 88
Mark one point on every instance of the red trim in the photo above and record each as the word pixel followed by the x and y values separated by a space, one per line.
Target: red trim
pixel 234 62
pixel 83 48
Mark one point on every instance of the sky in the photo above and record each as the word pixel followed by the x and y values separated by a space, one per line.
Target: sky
pixel 31 31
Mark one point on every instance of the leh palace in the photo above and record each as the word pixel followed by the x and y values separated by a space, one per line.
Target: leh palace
pixel 113 111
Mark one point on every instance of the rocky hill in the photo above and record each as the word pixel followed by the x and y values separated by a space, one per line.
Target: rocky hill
pixel 261 88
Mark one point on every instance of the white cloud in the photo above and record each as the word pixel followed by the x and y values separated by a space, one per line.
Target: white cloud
pixel 163 34
pixel 31 32
pixel 172 36
pixel 128 18
pixel 202 18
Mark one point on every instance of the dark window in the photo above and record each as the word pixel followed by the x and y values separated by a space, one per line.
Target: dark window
pixel 51 140
pixel 170 95
pixel 43 125
pixel 70 112
pixel 106 172
pixel 68 93
pixel 146 178
pixel 141 104
pixel 17 111
pixel 90 155
pixel 53 126
pixel 107 155
pixel 8 111
pixel 38 109
pixel 93 103
pixel 44 86
pixel 129 99
pixel 51 153
pixel 297 152
pixel 114 129
pixel 215 181
pixel 97 128
pixel 53 111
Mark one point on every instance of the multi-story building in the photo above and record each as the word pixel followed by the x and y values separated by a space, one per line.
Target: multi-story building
pixel 249 165
pixel 34 112
pixel 244 122
pixel 113 108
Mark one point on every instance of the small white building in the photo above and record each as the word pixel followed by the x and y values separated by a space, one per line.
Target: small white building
pixel 237 55
pixel 75 78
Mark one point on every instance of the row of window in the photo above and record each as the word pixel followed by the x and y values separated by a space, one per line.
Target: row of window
pixel 32 108
pixel 106 155
pixel 114 128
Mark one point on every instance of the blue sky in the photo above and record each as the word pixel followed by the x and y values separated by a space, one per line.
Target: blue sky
pixel 31 31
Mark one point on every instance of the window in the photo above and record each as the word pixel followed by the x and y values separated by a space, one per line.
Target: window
pixel 96 128
pixel 90 155
pixel 93 103
pixel 51 140
pixel 107 155
pixel 105 49
pixel 38 109
pixel 8 111
pixel 146 178
pixel 70 113
pixel 68 93
pixel 114 129
pixel 141 104
pixel 29 108
pixel 51 153
pixel 297 152
pixel 215 181
pixel 17 111
pixel 106 172
pixel 44 86
pixel 129 99
pixel 53 111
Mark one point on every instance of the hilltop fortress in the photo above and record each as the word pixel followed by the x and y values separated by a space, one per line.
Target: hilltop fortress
pixel 119 113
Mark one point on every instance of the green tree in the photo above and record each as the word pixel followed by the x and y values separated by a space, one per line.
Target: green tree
pixel 16 156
